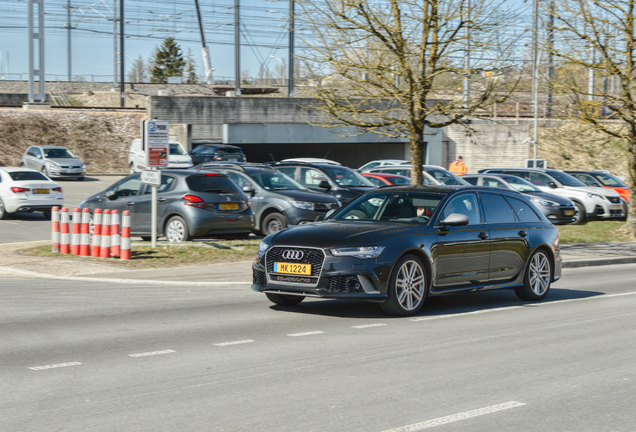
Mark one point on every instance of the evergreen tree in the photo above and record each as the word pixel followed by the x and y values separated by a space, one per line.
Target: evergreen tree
pixel 190 71
pixel 168 62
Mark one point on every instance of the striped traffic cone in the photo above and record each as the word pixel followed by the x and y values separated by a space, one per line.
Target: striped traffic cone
pixel 126 254
pixel 97 233
pixel 65 247
pixel 114 234
pixel 55 229
pixel 75 238
pixel 104 247
pixel 85 234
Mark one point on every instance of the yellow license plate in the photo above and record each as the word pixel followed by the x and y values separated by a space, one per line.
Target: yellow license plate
pixel 616 206
pixel 292 268
pixel 40 191
pixel 569 212
pixel 231 206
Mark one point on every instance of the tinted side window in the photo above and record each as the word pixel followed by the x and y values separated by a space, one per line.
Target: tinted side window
pixel 165 186
pixel 211 183
pixel 129 187
pixel 290 171
pixel 523 211
pixel 238 179
pixel 492 182
pixel 539 179
pixel 465 204
pixel 311 177
pixel 496 208
pixel 473 180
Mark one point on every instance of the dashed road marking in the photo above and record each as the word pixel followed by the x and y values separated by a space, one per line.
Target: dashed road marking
pixel 368 326
pixel 456 417
pixel 305 333
pixel 151 353
pixel 53 366
pixel 238 342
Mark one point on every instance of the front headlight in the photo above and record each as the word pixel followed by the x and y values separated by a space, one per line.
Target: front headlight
pixel 364 252
pixel 263 247
pixel 52 164
pixel 545 203
pixel 591 195
pixel 305 205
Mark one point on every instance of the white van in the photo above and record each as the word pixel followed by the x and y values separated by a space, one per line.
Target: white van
pixel 177 157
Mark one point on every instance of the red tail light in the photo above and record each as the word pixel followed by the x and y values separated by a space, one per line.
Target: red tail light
pixel 211 174
pixel 57 189
pixel 194 201
pixel 19 189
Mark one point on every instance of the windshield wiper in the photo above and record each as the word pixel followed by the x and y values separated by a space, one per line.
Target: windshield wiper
pixel 215 190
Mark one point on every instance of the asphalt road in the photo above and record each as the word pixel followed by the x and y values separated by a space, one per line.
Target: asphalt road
pixel 108 357
pixel 22 227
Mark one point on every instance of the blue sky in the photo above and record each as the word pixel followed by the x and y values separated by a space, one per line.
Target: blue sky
pixel 148 22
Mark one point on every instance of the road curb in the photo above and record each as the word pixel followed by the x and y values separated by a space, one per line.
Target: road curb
pixel 599 262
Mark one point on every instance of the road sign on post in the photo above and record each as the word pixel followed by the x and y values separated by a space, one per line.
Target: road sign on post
pixel 157 145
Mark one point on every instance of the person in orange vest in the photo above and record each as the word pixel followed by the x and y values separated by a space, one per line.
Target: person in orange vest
pixel 458 167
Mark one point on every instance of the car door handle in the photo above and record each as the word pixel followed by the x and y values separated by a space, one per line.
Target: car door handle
pixel 483 235
pixel 161 199
pixel 522 233
pixel 129 203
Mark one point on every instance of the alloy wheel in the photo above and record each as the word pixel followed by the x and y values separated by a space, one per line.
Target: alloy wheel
pixel 410 285
pixel 539 274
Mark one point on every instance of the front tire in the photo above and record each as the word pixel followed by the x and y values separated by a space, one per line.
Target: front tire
pixel 407 287
pixel 3 211
pixel 579 214
pixel 284 300
pixel 273 222
pixel 177 230
pixel 132 169
pixel 45 172
pixel 536 281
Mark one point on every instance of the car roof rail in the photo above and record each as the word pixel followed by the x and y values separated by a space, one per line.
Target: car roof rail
pixel 211 166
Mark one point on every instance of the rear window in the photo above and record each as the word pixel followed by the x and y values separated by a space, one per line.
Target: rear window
pixel 212 183
pixel 229 151
pixel 27 175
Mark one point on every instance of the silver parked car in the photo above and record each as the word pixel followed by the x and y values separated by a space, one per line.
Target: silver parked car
pixel 54 162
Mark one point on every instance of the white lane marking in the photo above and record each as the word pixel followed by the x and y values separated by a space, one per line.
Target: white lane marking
pixel 151 353
pixel 53 366
pixel 456 417
pixel 238 342
pixel 305 334
pixel 367 326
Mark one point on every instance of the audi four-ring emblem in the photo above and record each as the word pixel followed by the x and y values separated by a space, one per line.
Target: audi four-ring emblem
pixel 293 254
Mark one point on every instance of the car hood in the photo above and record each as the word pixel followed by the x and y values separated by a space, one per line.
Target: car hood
pixel 594 190
pixel 360 189
pixel 333 233
pixel 301 195
pixel 547 196
pixel 64 161
pixel 179 158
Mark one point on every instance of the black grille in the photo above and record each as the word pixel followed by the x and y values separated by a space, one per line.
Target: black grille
pixel 258 278
pixel 325 206
pixel 343 284
pixel 315 257
pixel 614 199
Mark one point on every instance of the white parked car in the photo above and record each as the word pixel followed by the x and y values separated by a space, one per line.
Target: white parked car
pixel 177 156
pixel 313 160
pixel 27 190
pixel 382 162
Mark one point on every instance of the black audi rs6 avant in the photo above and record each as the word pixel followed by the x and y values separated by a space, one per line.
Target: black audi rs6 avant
pixel 398 245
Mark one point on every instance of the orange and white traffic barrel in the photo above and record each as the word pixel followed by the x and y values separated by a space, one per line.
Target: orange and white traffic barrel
pixel 85 235
pixel 97 233
pixel 75 238
pixel 55 229
pixel 125 236
pixel 65 247
pixel 104 247
pixel 114 234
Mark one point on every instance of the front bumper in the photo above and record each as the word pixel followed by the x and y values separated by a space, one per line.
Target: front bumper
pixel 66 172
pixel 604 209
pixel 559 215
pixel 331 277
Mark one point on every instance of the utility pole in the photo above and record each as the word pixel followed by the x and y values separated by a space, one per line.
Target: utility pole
pixel 237 47
pixel 290 82
pixel 466 82
pixel 548 112
pixel 535 78
pixel 115 43
pixel 39 36
pixel 68 37
pixel 121 54
pixel 204 50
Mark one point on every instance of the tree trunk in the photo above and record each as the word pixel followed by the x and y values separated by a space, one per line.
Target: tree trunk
pixel 631 182
pixel 417 156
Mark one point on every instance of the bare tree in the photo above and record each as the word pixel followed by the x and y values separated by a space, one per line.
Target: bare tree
pixel 599 37
pixel 138 72
pixel 382 64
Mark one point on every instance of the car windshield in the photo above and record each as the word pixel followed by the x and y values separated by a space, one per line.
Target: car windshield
pixel 177 149
pixel 347 177
pixel 446 178
pixel 609 180
pixel 27 175
pixel 520 184
pixel 400 207
pixel 58 153
pixel 566 179
pixel 275 180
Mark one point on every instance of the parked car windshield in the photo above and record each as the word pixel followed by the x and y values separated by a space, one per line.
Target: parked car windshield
pixel 58 154
pixel 211 183
pixel 27 175
pixel 609 180
pixel 275 181
pixel 521 185
pixel 400 207
pixel 347 177
pixel 447 178
pixel 566 179
pixel 176 149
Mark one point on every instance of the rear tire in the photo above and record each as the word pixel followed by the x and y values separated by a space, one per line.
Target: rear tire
pixel 408 287
pixel 47 215
pixel 3 211
pixel 177 230
pixel 579 214
pixel 536 281
pixel 284 300
pixel 273 222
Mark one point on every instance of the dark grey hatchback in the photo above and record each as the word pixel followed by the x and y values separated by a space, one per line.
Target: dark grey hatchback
pixel 189 204
pixel 398 245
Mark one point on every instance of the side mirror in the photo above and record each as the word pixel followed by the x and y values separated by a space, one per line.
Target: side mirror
pixel 597 185
pixel 39 156
pixel 552 185
pixel 329 213
pixel 455 219
pixel 324 184
pixel 249 190
pixel 111 195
